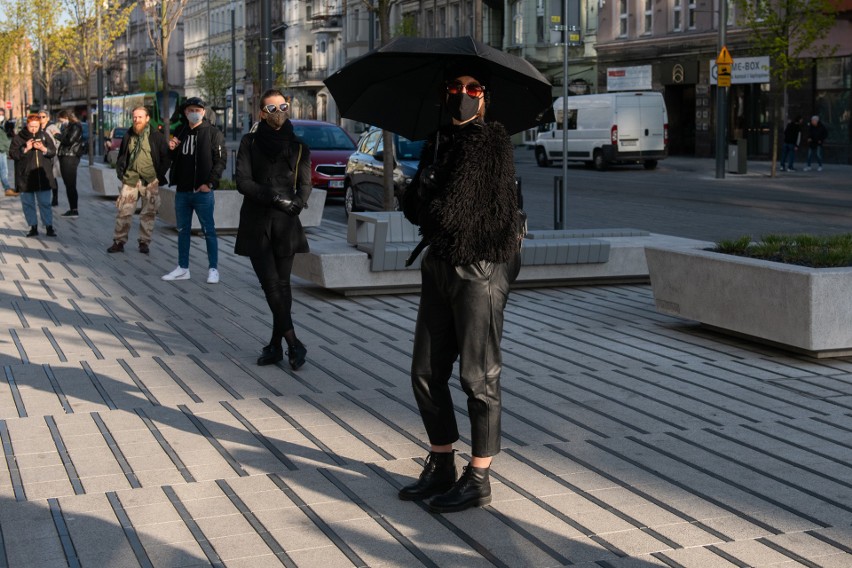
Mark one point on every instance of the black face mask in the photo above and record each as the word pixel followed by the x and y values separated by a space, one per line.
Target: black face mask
pixel 462 107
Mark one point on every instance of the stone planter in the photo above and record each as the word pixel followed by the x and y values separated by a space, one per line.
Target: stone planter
pixel 803 309
pixel 226 214
pixel 104 180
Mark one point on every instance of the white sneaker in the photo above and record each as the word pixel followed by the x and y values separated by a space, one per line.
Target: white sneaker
pixel 177 274
pixel 806 169
pixel 819 169
pixel 212 276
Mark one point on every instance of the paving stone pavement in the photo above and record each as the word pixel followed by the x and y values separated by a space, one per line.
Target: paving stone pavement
pixel 137 430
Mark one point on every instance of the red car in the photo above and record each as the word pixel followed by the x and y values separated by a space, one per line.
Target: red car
pixel 113 144
pixel 330 147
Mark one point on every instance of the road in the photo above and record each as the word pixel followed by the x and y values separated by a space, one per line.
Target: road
pixel 682 197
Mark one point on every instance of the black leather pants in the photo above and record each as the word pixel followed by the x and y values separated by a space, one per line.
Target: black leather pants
pixel 461 317
pixel 273 272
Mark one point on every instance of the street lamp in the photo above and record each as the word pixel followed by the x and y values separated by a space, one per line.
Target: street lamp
pixel 721 97
pixel 233 73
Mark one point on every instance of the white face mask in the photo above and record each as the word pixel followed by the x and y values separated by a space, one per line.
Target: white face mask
pixel 194 117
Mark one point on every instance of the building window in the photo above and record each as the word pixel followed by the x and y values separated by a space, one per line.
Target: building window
pixel 691 14
pixel 430 24
pixel 649 16
pixel 356 25
pixel 518 22
pixel 454 20
pixel 677 23
pixel 540 28
pixel 622 18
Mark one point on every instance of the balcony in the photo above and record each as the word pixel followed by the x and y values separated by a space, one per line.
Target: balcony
pixel 331 23
pixel 304 75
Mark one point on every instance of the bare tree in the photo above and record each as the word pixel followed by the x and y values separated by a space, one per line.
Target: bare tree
pixel 161 19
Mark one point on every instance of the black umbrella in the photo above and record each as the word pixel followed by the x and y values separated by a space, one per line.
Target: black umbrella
pixel 400 86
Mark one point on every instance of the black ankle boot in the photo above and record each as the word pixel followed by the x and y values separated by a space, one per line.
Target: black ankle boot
pixel 270 355
pixel 296 354
pixel 473 489
pixel 33 231
pixel 438 475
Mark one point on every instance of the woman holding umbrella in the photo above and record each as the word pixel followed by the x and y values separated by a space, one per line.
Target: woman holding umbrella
pixel 464 199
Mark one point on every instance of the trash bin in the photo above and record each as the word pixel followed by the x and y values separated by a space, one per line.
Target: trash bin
pixel 737 156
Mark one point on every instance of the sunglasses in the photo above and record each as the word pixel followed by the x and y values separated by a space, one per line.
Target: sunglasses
pixel 283 107
pixel 473 90
pixel 42 116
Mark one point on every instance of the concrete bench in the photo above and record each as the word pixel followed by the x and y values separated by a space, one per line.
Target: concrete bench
pixel 386 236
pixel 584 233
pixel 537 252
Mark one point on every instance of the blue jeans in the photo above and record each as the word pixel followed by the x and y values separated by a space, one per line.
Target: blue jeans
pixel 28 202
pixel 815 152
pixel 202 203
pixel 788 154
pixel 4 172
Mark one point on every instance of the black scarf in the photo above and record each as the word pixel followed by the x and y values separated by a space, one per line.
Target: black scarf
pixel 272 141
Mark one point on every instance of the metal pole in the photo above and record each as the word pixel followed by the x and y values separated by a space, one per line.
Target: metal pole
pixel 563 201
pixel 233 75
pixel 265 45
pixel 721 97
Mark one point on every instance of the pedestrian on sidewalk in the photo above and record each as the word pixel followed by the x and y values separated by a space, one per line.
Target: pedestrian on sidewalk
pixel 274 175
pixel 467 210
pixel 52 130
pixel 5 186
pixel 143 160
pixel 33 152
pixel 70 150
pixel 817 133
pixel 198 158
pixel 792 140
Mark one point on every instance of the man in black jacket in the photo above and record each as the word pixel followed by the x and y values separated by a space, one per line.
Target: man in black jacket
pixel 198 160
pixel 143 160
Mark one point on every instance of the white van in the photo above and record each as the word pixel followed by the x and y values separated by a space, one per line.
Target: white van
pixel 629 127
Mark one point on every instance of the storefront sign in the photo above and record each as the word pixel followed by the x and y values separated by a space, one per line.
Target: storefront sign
pixel 628 78
pixel 745 70
pixel 679 72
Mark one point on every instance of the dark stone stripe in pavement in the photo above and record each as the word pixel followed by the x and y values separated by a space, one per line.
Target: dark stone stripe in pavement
pixel 126 469
pixel 385 420
pixel 239 364
pixel 166 447
pixel 693 491
pixel 82 333
pixel 317 520
pixel 193 527
pixel 255 523
pixel 19 346
pixel 305 432
pixel 187 336
pixel 376 516
pixel 155 338
pixel 67 462
pixel 178 380
pixel 342 423
pixel 199 425
pixel 107 399
pixel 62 530
pixel 57 388
pixel 279 455
pixel 12 463
pixel 16 393
pixel 129 531
pixel 138 382
pixel 212 374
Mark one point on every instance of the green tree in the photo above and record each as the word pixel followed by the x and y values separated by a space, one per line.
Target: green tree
pixel 88 40
pixel 792 34
pixel 214 80
pixel 148 81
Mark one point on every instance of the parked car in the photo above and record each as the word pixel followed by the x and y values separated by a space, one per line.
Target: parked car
pixel 113 144
pixel 364 183
pixel 330 147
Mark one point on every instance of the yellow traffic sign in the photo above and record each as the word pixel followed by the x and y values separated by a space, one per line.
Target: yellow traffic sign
pixel 724 57
pixel 723 74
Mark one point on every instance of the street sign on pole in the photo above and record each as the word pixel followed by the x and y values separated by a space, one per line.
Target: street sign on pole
pixel 8 105
pixel 723 68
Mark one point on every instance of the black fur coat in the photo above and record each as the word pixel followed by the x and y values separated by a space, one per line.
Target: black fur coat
pixel 469 212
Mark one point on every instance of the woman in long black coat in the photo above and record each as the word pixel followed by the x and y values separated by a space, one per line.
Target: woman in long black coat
pixel 274 175
pixel 33 152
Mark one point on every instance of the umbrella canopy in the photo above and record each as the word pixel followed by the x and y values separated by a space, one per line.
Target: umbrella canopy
pixel 400 86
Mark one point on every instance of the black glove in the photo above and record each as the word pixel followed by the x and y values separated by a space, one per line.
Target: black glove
pixel 291 206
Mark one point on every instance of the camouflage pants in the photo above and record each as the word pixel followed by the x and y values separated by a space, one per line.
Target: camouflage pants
pixel 126 205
